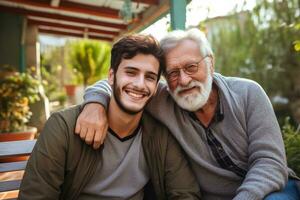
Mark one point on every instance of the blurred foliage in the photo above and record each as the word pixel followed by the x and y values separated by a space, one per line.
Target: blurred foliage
pixel 89 60
pixel 17 91
pixel 291 137
pixel 51 69
pixel 77 62
pixel 263 45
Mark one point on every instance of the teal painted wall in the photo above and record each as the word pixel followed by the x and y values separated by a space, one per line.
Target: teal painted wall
pixel 10 39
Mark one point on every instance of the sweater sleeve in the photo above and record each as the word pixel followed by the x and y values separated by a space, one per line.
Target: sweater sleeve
pixel 98 93
pixel 44 174
pixel 267 170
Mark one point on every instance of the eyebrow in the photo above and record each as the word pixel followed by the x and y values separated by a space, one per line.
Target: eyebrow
pixel 130 67
pixel 152 73
pixel 136 69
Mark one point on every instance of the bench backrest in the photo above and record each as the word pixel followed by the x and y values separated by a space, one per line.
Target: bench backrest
pixel 10 150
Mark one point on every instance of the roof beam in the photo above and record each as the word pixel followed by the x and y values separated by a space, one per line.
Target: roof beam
pixel 54 3
pixel 73 7
pixel 72 27
pixel 91 10
pixel 80 35
pixel 150 2
pixel 61 17
pixel 150 16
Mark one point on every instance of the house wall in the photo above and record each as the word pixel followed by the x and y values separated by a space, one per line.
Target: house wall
pixel 10 39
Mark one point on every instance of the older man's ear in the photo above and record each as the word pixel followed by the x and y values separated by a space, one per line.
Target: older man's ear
pixel 212 64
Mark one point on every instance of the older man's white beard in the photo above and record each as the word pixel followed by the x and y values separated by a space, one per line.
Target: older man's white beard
pixel 195 101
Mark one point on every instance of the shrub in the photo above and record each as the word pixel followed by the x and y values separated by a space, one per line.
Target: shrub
pixel 17 91
pixel 291 137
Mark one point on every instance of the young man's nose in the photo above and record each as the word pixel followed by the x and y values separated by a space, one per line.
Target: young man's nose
pixel 139 82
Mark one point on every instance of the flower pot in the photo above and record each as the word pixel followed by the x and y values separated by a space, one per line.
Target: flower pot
pixel 70 89
pixel 27 134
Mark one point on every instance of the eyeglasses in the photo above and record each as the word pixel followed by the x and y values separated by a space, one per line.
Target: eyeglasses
pixel 189 69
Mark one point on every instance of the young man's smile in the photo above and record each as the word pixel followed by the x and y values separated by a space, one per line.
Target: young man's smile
pixel 136 94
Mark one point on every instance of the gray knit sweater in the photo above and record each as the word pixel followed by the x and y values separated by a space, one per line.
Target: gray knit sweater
pixel 249 133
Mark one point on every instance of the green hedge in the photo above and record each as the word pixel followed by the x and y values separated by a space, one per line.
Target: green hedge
pixel 291 137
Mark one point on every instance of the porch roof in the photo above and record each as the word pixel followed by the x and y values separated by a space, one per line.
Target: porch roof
pixel 95 19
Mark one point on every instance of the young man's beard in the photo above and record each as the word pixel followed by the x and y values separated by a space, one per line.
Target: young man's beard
pixel 195 101
pixel 116 93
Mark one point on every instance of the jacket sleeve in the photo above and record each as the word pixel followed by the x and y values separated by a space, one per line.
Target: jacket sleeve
pixel 44 174
pixel 180 182
pixel 267 161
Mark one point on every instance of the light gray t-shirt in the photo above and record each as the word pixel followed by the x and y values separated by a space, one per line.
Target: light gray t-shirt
pixel 122 172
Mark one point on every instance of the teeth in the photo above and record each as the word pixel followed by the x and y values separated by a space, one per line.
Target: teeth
pixel 135 95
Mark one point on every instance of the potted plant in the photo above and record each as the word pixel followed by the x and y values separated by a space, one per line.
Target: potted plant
pixel 17 91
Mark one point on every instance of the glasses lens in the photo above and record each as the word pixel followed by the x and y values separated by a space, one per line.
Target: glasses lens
pixel 173 75
pixel 192 68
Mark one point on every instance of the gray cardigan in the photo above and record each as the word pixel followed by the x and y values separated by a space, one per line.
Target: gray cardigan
pixel 249 133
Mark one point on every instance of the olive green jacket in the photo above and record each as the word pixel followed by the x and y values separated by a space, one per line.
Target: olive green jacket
pixel 61 163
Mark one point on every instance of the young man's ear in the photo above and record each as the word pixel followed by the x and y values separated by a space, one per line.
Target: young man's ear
pixel 111 76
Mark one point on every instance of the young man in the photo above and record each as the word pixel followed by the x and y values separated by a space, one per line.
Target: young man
pixel 226 125
pixel 137 147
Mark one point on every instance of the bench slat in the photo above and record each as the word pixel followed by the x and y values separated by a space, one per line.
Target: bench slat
pixel 9 185
pixel 12 149
pixel 12 166
pixel 10 198
pixel 16 148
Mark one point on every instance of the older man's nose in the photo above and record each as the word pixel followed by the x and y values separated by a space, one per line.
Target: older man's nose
pixel 184 79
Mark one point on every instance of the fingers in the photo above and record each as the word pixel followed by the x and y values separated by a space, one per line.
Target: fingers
pixel 83 132
pixel 88 134
pixel 104 133
pixel 92 124
pixel 97 140
pixel 100 136
pixel 89 137
pixel 77 127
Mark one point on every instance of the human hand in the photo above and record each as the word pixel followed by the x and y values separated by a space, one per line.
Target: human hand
pixel 92 124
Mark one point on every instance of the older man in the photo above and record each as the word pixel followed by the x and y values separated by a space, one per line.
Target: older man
pixel 226 125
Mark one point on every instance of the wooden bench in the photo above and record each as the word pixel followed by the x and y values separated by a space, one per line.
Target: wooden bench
pixel 9 150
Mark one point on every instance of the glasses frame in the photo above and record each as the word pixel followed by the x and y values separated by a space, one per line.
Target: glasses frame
pixel 184 69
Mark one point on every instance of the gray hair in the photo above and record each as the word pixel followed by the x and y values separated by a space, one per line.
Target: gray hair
pixel 172 39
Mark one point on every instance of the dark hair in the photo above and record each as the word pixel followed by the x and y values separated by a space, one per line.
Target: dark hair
pixel 130 46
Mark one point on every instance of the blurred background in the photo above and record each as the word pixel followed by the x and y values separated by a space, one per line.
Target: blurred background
pixel 52 49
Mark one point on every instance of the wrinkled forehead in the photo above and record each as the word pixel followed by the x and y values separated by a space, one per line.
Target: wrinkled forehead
pixel 184 52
